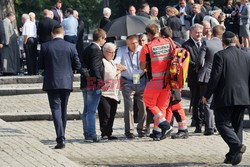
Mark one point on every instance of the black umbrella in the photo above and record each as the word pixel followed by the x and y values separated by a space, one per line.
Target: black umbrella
pixel 127 25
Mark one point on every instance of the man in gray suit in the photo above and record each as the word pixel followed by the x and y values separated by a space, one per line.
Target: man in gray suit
pixel 204 66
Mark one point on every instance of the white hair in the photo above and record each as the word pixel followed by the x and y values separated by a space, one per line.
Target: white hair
pixel 106 11
pixel 25 16
pixel 196 26
pixel 108 46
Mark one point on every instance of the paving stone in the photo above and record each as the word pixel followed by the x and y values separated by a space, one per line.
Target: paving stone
pixel 197 150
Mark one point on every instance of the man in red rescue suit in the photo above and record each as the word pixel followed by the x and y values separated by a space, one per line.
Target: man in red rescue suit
pixel 157 91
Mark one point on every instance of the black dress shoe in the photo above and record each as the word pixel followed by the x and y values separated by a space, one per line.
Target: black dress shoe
pixel 237 157
pixel 60 145
pixel 181 134
pixel 112 138
pixel 227 161
pixel 208 132
pixel 130 136
pixel 197 130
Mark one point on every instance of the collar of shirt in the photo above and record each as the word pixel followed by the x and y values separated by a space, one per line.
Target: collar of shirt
pixel 195 42
pixel 97 45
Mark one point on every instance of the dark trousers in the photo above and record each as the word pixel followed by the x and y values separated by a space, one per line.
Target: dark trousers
pixel 197 112
pixel 31 55
pixel 1 64
pixel 58 101
pixel 229 122
pixel 71 39
pixel 106 112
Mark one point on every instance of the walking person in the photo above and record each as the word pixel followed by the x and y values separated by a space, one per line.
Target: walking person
pixel 157 92
pixel 91 84
pixel 229 84
pixel 58 63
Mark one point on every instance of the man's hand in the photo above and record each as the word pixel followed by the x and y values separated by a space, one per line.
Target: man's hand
pixel 204 100
pixel 1 46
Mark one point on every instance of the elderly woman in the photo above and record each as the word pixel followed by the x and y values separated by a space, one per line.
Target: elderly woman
pixel 109 99
pixel 143 39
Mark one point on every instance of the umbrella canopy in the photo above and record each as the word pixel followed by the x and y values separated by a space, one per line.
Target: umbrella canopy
pixel 127 25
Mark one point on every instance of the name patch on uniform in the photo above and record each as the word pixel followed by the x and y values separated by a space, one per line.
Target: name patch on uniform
pixel 161 50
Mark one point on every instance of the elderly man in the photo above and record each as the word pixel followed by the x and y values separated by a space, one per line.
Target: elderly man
pixel 29 33
pixel 70 25
pixel 154 13
pixel 207 33
pixel 193 45
pixel 10 50
pixel 106 15
pixel 133 84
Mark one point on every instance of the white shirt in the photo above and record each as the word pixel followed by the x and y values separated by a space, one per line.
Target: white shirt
pixel 29 29
pixel 111 80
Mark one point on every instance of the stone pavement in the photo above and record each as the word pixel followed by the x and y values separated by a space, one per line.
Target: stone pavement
pixel 197 150
pixel 20 149
pixel 36 107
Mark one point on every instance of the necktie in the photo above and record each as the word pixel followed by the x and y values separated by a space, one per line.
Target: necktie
pixel 198 44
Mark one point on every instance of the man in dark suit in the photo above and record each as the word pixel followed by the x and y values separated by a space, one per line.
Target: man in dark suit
pixel 229 84
pixel 197 16
pixel 58 58
pixel 2 37
pixel 193 45
pixel 185 12
pixel 91 84
pixel 204 66
pixel 45 26
pixel 58 15
pixel 144 10
pixel 105 19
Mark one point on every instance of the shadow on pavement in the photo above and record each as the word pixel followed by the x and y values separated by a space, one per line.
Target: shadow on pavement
pixel 161 165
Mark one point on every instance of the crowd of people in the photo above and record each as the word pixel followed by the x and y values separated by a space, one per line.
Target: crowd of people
pixel 216 39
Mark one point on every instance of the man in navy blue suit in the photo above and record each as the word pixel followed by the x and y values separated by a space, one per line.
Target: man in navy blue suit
pixel 58 58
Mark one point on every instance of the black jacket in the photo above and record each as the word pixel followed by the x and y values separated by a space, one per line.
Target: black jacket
pixel 91 59
pixel 187 18
pixel 2 37
pixel 58 58
pixel 44 29
pixel 198 18
pixel 104 21
pixel 230 78
pixel 194 54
